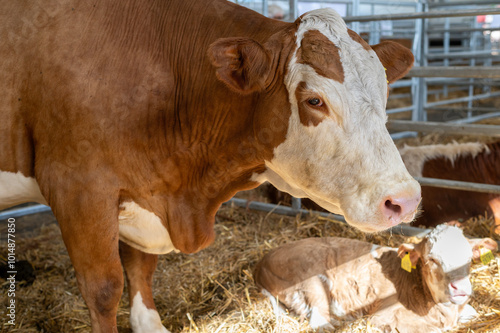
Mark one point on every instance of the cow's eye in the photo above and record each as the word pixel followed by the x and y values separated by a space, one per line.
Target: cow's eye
pixel 315 101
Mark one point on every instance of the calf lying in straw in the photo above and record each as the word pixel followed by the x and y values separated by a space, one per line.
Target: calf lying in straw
pixel 332 279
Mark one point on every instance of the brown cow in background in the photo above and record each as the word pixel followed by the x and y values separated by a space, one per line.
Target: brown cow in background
pixel 469 162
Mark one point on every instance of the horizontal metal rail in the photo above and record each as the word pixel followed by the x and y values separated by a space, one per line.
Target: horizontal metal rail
pixel 401 84
pixel 463 3
pixel 493 55
pixel 457 72
pixel 473 119
pixel 461 99
pixel 18 212
pixel 458 30
pixel 363 2
pixel 457 82
pixel 449 128
pixel 458 185
pixel 423 15
pixel 401 109
pixel 473 109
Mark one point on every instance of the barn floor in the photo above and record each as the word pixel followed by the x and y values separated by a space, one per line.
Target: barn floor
pixel 211 291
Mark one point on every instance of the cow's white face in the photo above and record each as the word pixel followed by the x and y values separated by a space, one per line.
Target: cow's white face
pixel 447 256
pixel 337 150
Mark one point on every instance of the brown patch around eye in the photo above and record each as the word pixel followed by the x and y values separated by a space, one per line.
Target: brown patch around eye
pixel 321 54
pixel 310 114
pixel 435 268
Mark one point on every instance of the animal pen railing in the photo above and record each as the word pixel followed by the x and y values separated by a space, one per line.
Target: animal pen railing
pixel 463 61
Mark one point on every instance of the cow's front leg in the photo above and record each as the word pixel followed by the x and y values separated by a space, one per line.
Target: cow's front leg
pixel 92 243
pixel 139 269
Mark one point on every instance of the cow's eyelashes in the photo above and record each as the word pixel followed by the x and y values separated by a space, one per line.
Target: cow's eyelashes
pixel 317 102
pixel 433 261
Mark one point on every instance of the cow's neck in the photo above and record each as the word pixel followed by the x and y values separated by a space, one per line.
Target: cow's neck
pixel 194 168
pixel 204 142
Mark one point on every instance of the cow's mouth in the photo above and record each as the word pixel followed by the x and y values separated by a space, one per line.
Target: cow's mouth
pixel 459 299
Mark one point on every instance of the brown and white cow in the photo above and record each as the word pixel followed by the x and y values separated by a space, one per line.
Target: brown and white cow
pixel 135 120
pixel 331 279
pixel 470 162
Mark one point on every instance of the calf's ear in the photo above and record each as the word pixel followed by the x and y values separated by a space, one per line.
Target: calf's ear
pixel 412 250
pixel 241 63
pixel 478 243
pixel 397 59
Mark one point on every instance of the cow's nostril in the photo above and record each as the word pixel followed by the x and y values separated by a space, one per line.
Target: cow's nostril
pixel 392 207
pixel 397 209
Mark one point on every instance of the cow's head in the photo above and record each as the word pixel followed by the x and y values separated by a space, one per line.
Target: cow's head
pixel 337 150
pixel 445 257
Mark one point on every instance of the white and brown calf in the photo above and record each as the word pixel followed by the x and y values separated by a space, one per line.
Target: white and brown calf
pixel 333 279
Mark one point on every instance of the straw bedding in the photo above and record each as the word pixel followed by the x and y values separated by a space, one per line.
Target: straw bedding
pixel 212 291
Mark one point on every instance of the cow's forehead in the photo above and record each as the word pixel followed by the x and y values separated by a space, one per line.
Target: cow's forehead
pixel 449 246
pixel 317 51
pixel 327 46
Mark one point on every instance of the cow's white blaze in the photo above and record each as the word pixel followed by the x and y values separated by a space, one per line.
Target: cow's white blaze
pixel 15 188
pixel 347 163
pixel 374 252
pixel 144 320
pixel 143 230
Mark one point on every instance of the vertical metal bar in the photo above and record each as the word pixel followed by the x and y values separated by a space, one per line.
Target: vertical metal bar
pixel 293 9
pixel 265 7
pixel 446 44
pixel 419 90
pixel 296 203
pixel 355 12
pixel 473 47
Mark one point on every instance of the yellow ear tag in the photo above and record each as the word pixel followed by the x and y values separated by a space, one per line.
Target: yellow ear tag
pixel 406 263
pixel 486 256
pixel 386 75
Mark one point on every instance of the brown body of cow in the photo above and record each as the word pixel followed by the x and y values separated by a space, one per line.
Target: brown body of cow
pixel 135 120
pixel 332 279
pixel 467 162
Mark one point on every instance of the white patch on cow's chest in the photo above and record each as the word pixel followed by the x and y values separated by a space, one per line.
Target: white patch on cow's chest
pixel 144 320
pixel 15 188
pixel 374 252
pixel 317 320
pixel 143 230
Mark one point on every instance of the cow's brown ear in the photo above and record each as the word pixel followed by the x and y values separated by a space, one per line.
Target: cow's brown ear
pixel 242 63
pixel 412 250
pixel 397 59
pixel 478 243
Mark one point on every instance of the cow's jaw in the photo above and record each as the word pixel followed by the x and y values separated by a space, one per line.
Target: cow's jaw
pixel 342 157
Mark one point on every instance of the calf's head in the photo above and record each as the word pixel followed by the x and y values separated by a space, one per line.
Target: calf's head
pixel 336 150
pixel 445 255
